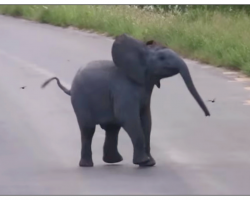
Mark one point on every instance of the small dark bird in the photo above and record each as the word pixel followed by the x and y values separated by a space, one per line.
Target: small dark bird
pixel 23 87
pixel 212 100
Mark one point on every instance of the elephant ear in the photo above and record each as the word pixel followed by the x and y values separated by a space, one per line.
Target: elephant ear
pixel 129 55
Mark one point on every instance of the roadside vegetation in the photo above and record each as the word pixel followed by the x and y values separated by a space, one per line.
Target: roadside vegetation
pixel 218 35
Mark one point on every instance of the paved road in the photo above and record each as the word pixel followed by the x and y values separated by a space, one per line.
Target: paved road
pixel 40 140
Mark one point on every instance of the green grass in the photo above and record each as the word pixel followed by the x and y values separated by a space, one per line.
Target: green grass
pixel 211 36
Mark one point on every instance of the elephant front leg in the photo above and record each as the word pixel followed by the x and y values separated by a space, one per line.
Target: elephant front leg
pixel 146 123
pixel 127 114
pixel 110 150
pixel 133 127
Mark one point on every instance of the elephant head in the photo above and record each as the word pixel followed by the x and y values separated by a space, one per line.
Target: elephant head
pixel 143 62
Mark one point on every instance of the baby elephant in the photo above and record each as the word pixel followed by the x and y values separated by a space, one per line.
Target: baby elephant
pixel 116 94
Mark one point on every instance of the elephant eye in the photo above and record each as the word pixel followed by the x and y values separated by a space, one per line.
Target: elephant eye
pixel 161 58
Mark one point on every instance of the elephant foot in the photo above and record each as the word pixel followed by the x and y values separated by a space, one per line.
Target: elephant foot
pixel 86 163
pixel 112 158
pixel 149 163
pixel 138 160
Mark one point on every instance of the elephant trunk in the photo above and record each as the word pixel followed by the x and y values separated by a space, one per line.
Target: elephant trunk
pixel 183 69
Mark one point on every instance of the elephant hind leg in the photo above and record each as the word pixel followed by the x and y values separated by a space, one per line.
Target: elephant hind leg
pixel 110 149
pixel 86 140
pixel 87 128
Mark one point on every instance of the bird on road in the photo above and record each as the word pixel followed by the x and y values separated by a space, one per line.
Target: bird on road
pixel 212 100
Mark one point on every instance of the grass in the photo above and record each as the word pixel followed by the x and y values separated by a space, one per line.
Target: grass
pixel 214 37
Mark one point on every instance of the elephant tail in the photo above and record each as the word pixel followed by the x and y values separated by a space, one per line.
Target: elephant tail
pixel 67 91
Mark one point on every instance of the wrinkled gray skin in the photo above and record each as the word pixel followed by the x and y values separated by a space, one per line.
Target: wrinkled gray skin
pixel 115 94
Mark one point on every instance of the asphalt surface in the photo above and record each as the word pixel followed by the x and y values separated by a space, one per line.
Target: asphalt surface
pixel 40 139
